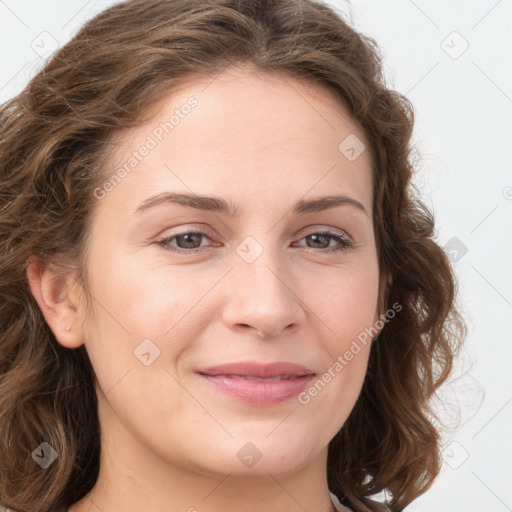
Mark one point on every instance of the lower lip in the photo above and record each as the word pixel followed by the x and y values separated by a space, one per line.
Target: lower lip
pixel 259 392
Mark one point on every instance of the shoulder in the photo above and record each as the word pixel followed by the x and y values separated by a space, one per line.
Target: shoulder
pixel 377 506
pixel 381 507
pixel 337 505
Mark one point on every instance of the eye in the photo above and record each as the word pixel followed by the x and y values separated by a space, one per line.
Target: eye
pixel 321 237
pixel 189 242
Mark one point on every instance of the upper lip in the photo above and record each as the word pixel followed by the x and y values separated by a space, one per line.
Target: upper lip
pixel 255 369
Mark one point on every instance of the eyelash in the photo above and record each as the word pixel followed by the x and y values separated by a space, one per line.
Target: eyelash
pixel 344 241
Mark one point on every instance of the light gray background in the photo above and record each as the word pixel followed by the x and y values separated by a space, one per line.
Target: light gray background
pixel 463 133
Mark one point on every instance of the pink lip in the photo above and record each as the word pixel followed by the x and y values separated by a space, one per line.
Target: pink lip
pixel 229 379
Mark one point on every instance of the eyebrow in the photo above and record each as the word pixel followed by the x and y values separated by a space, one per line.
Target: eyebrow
pixel 219 205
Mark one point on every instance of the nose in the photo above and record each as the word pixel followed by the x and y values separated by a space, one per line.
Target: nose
pixel 261 297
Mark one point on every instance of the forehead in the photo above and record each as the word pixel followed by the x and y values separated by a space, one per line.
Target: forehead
pixel 245 132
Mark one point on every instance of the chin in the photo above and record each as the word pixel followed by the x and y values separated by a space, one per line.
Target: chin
pixel 257 456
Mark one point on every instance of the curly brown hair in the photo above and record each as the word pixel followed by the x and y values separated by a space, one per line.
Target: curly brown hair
pixel 55 143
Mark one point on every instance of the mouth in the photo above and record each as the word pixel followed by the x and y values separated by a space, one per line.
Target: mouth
pixel 253 369
pixel 253 377
pixel 258 384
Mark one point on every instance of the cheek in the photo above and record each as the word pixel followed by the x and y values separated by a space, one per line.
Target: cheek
pixel 349 307
pixel 138 299
pixel 335 390
pixel 348 314
pixel 133 345
pixel 140 315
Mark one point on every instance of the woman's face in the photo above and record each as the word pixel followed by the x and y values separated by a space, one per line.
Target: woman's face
pixel 262 286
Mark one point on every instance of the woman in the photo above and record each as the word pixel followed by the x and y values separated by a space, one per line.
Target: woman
pixel 218 290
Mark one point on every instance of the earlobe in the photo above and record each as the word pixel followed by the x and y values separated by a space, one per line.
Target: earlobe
pixel 51 288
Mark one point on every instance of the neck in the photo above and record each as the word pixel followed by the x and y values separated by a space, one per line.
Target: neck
pixel 134 477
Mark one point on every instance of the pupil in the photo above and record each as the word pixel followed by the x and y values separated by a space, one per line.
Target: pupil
pixel 318 236
pixel 188 236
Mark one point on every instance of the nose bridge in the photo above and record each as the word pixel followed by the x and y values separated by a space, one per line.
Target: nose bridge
pixel 263 296
pixel 259 266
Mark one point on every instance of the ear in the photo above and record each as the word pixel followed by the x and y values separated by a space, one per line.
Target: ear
pixel 55 292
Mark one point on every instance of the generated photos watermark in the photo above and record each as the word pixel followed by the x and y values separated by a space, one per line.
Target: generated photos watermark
pixel 343 360
pixel 151 142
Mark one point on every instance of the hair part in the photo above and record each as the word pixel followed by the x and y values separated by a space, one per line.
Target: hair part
pixel 57 140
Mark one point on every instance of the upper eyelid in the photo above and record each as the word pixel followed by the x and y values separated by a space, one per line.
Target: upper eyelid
pixel 200 227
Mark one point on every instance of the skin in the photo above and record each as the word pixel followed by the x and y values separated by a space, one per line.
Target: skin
pixel 170 441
